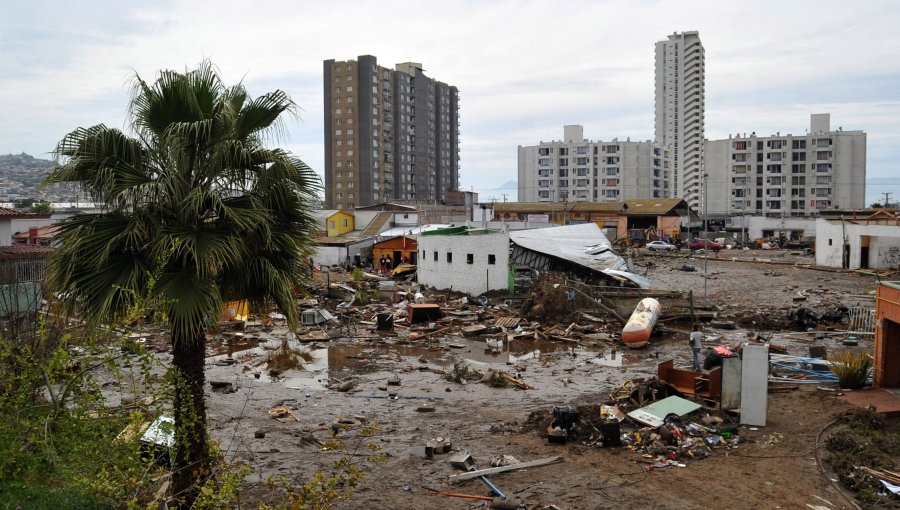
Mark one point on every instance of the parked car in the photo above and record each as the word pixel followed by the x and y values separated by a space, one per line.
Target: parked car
pixel 660 246
pixel 700 244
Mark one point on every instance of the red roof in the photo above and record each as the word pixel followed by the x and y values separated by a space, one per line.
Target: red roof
pixel 45 232
pixel 17 251
pixel 12 213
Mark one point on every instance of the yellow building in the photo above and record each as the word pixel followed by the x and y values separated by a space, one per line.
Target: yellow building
pixel 339 223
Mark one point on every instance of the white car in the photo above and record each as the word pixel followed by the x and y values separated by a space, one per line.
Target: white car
pixel 660 246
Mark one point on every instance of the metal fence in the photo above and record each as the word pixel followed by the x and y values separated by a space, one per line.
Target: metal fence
pixel 861 321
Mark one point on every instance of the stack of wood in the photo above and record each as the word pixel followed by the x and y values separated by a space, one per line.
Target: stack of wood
pixel 883 474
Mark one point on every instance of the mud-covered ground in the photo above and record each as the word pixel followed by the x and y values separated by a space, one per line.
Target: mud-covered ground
pixel 772 467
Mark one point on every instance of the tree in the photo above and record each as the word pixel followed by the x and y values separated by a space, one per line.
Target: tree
pixel 196 211
pixel 42 207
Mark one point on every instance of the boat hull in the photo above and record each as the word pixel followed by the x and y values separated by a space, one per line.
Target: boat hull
pixel 637 330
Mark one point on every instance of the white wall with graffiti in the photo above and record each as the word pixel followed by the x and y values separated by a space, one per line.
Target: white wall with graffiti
pixel 856 244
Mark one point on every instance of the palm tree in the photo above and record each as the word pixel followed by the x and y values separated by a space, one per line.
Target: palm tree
pixel 196 211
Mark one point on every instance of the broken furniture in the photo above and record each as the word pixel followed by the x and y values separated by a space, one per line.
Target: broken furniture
pixel 424 312
pixel 706 386
pixel 315 316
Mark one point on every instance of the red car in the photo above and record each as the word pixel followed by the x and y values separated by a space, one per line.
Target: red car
pixel 700 244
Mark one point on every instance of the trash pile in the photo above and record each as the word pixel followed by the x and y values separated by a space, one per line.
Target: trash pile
pixel 666 431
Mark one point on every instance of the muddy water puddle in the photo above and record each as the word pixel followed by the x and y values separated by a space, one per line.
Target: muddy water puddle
pixel 306 366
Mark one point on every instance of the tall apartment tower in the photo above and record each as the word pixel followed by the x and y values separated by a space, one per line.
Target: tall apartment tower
pixel 680 110
pixel 390 134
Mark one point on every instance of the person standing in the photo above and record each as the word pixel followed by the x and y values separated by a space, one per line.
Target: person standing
pixel 696 343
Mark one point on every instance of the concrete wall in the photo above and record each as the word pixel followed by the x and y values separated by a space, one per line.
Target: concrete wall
pixel 475 278
pixel 329 255
pixel 757 224
pixel 883 244
pixel 10 227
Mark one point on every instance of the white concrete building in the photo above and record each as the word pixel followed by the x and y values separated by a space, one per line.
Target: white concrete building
pixel 464 260
pixel 680 110
pixel 853 241
pixel 576 169
pixel 790 175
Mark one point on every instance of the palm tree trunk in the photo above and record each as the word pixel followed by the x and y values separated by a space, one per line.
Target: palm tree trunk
pixel 191 463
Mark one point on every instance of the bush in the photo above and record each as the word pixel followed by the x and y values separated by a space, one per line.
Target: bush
pixel 851 369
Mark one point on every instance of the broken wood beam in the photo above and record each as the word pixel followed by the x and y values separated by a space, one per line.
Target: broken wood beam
pixel 416 336
pixel 518 382
pixel 502 469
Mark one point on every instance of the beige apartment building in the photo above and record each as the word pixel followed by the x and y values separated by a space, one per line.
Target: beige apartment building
pixel 576 169
pixel 390 134
pixel 787 174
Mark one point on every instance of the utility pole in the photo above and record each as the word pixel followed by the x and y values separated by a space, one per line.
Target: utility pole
pixel 887 199
pixel 504 197
pixel 705 240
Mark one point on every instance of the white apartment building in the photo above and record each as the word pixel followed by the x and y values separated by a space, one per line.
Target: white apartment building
pixel 790 175
pixel 680 110
pixel 575 169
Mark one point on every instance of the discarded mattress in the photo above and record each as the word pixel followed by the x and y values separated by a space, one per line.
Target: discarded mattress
pixel 637 330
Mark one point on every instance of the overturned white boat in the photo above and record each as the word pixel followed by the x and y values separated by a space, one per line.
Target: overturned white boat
pixel 637 330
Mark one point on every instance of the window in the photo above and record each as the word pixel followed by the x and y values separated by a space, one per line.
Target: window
pixel 470 258
pixel 543 151
pixel 331 224
pixel 740 146
pixel 435 256
pixel 344 222
pixel 492 259
pixel 830 241
pixel 799 144
pixel 337 111
pixel 563 161
pixel 563 151
pixel 349 88
pixel 449 257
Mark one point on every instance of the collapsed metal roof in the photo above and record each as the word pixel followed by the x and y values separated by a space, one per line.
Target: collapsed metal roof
pixel 572 248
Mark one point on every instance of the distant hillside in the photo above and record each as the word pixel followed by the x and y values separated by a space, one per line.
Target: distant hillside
pixel 21 176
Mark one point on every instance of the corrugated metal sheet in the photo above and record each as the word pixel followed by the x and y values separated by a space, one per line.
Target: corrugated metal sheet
pixel 582 244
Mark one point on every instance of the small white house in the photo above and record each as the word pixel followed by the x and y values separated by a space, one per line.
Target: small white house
pixel 464 259
pixel 859 240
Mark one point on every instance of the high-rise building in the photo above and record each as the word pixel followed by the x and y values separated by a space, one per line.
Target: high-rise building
pixel 390 134
pixel 786 174
pixel 680 110
pixel 575 169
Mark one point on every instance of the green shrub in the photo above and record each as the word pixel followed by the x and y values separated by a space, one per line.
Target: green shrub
pixel 851 369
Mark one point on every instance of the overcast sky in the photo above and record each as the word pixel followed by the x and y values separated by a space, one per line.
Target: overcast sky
pixel 523 69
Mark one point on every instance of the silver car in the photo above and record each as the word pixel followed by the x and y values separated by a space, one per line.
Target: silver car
pixel 660 246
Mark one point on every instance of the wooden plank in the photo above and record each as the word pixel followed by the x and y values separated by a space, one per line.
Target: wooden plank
pixel 502 469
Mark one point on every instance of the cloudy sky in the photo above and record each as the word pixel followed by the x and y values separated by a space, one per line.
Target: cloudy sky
pixel 524 69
